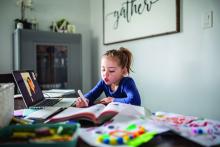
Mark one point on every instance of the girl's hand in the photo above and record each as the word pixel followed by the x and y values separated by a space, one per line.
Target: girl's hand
pixel 80 102
pixel 106 100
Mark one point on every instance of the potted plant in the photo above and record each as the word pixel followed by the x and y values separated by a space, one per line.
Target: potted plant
pixel 24 4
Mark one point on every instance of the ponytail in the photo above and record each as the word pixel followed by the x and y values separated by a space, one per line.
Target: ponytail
pixel 123 55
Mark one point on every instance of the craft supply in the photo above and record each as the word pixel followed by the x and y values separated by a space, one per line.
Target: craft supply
pixel 44 131
pixel 23 135
pixel 40 135
pixel 20 121
pixel 59 130
pixel 29 121
pixel 200 130
pixel 133 135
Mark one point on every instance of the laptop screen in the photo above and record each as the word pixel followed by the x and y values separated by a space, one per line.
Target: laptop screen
pixel 28 86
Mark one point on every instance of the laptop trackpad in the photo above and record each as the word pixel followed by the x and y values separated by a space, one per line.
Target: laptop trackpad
pixel 65 102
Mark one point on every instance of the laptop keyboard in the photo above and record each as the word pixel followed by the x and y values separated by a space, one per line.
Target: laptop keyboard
pixel 47 102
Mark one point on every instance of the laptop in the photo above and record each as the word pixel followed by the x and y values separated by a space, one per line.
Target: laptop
pixel 33 95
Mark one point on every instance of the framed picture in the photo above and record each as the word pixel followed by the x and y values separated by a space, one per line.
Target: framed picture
pixel 125 20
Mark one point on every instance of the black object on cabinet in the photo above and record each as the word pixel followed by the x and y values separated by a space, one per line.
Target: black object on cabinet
pixel 55 57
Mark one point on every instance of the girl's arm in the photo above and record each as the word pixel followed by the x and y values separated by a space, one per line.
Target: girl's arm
pixel 132 94
pixel 94 93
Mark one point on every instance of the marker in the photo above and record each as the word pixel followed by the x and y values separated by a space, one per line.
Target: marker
pixel 82 96
pixel 30 121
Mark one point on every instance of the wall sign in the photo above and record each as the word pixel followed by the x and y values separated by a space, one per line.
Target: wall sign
pixel 126 20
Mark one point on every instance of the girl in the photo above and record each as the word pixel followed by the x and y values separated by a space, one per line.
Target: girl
pixel 117 86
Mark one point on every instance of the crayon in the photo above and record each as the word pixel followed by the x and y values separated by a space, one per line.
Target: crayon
pixel 20 121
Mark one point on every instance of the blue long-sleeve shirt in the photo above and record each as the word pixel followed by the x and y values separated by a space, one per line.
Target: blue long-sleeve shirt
pixel 126 92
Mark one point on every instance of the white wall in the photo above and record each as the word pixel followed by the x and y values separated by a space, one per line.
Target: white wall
pixel 176 73
pixel 46 11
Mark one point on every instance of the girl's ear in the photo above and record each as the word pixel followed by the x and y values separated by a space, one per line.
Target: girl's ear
pixel 125 71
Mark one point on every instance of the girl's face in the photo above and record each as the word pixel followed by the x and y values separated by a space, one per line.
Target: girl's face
pixel 111 72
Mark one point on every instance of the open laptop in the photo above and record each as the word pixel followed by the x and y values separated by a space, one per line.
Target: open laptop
pixel 33 95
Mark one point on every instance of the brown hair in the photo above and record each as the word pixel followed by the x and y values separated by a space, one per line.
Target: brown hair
pixel 123 55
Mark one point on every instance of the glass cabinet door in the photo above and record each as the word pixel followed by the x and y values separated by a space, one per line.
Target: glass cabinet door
pixel 52 66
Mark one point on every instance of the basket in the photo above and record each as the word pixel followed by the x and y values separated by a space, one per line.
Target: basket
pixel 6 103
pixel 7 132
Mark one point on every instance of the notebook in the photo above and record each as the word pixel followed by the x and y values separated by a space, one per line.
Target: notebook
pixel 33 95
